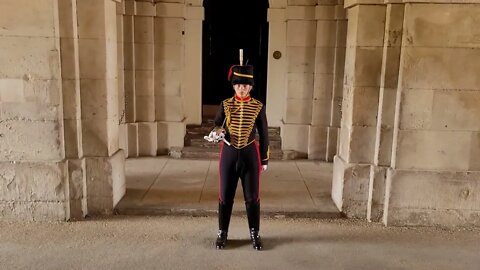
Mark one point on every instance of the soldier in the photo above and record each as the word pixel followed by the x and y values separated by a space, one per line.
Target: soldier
pixel 241 156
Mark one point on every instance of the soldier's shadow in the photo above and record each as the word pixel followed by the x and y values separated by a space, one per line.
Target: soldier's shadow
pixel 236 243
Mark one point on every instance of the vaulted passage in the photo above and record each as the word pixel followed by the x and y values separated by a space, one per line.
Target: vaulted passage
pixel 228 27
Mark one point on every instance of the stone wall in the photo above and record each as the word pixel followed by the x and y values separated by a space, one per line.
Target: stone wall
pixel 408 151
pixel 59 110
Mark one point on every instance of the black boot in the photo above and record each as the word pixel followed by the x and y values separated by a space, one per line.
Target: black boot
pixel 221 239
pixel 253 215
pixel 224 214
pixel 256 240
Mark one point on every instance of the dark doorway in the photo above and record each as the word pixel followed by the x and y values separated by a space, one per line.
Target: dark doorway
pixel 230 26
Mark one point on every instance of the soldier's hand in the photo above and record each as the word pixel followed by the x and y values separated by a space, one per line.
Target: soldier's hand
pixel 264 167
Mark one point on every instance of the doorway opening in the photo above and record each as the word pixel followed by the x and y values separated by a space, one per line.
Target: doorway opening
pixel 228 27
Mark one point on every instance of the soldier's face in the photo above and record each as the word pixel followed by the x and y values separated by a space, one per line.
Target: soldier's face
pixel 242 90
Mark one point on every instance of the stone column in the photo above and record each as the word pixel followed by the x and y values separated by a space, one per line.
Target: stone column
pixel 172 93
pixel 435 171
pixel 329 63
pixel 33 172
pixel 192 75
pixel 351 176
pixel 277 72
pixel 104 162
pixel 386 110
pixel 301 38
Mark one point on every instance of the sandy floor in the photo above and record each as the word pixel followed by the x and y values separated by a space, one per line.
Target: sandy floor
pixel 123 242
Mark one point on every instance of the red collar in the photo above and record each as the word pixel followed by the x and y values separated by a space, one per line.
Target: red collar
pixel 247 98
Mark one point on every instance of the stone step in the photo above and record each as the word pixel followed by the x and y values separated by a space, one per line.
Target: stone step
pixel 200 142
pixel 192 129
pixel 194 152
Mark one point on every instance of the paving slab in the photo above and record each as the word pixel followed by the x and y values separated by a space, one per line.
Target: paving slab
pixel 165 186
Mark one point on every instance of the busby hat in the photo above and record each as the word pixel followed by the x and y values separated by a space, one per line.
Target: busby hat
pixel 241 75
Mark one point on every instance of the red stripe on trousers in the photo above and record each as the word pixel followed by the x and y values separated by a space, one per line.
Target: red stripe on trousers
pixel 259 169
pixel 220 174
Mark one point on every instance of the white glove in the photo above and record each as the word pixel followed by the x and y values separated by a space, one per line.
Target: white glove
pixel 214 136
pixel 264 167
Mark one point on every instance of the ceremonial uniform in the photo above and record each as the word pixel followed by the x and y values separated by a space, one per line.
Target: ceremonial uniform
pixel 240 118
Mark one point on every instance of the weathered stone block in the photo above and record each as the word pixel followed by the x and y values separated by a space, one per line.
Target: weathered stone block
pixel 33 211
pixel 324 60
pixel 367 25
pixel 31 140
pixel 367 67
pixel 91 22
pixel 278 3
pixel 29 111
pixel 144 56
pixel 169 83
pixel 317 143
pixel 456 110
pixel 433 198
pixel 95 137
pixel 362 144
pixel 321 112
pixel 302 2
pixel 276 15
pixel 170 10
pixel 378 178
pixel 147 139
pixel 391 64
pixel 145 108
pixel 323 86
pixel 387 99
pixel 301 33
pixel 394 25
pixel 300 13
pixel 433 150
pixel 301 59
pixel 168 57
pixel 128 29
pixel 92 58
pixel 475 152
pixel 299 86
pixel 194 12
pixel 145 9
pixel 105 176
pixel 442 25
pixel 73 139
pixel 170 134
pixel 169 109
pixel 169 30
pixel 34 21
pixel 344 144
pixel 123 137
pixel 76 187
pixel 298 111
pixel 41 62
pixel 144 83
pixel 94 99
pixel 385 147
pixel 143 29
pixel 33 181
pixel 413 116
pixel 365 106
pixel 332 142
pixel 459 73
pixel 295 137
pixel 132 131
pixel 350 188
pixel 326 33
pixel 325 12
pixel 69 57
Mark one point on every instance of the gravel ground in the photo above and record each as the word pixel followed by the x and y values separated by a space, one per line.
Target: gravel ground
pixel 169 242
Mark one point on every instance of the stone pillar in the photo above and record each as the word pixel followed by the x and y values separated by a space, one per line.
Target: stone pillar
pixel 386 110
pixel 329 63
pixel 34 182
pixel 277 72
pixel 104 162
pixel 192 75
pixel 435 172
pixel 351 176
pixel 172 93
pixel 301 38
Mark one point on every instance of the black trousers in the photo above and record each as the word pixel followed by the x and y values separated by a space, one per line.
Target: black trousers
pixel 239 163
pixel 243 164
